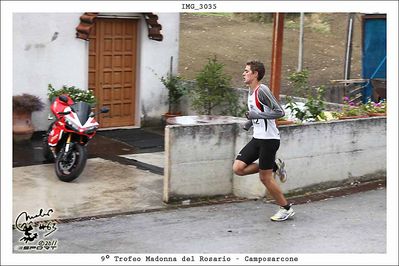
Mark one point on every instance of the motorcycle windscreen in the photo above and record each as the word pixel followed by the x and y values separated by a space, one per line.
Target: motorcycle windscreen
pixel 82 110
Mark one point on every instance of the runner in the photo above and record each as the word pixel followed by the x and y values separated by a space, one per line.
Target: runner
pixel 263 110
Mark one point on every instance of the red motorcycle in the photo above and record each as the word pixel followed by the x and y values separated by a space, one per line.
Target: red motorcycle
pixel 67 137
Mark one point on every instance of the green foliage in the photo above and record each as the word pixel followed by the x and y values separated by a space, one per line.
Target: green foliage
pixel 240 111
pixel 373 107
pixel 316 105
pixel 321 27
pixel 213 89
pixel 176 90
pixel 350 108
pixel 313 109
pixel 300 82
pixel 260 17
pixel 76 94
pixel 265 17
pixel 26 103
pixel 291 24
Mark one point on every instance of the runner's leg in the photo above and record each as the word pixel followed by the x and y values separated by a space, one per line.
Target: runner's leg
pixel 243 165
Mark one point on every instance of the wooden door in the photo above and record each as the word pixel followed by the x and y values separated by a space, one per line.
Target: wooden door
pixel 112 69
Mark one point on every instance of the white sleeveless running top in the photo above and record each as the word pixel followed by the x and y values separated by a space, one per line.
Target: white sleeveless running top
pixel 263 128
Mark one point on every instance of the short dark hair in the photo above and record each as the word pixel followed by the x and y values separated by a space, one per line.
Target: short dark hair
pixel 258 67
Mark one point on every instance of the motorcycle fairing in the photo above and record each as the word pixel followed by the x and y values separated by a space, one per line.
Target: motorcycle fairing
pixel 82 110
pixel 78 119
pixel 55 135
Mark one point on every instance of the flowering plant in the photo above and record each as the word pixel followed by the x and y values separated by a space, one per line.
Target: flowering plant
pixel 76 94
pixel 350 108
pixel 372 107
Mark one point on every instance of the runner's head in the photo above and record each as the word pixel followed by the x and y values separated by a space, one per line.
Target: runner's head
pixel 258 67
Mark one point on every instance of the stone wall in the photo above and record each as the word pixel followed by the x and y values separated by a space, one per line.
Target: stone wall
pixel 199 156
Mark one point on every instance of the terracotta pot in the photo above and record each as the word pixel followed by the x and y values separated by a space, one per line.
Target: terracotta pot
pixel 352 117
pixel 377 114
pixel 168 115
pixel 22 128
pixel 284 122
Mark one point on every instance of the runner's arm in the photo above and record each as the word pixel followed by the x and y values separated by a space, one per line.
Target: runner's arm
pixel 266 98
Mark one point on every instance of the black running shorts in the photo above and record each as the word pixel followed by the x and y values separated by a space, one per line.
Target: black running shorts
pixel 264 149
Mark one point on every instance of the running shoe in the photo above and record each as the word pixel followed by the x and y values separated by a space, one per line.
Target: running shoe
pixel 281 172
pixel 282 214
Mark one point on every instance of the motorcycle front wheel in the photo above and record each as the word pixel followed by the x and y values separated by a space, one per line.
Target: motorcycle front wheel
pixel 69 167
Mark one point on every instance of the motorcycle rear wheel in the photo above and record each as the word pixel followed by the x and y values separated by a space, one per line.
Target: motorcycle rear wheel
pixel 69 168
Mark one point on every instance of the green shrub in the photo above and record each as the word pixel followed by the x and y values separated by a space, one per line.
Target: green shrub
pixel 176 90
pixel 213 89
pixel 300 82
pixel 313 109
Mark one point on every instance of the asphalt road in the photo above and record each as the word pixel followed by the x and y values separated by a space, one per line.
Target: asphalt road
pixel 347 224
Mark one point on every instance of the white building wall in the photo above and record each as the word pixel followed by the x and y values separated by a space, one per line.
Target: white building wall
pixel 40 57
pixel 38 60
pixel 155 63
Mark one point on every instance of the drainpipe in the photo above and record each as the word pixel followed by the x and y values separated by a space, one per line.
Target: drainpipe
pixel 277 49
pixel 300 52
pixel 348 50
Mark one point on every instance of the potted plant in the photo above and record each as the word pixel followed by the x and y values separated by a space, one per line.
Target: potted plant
pixel 76 94
pixel 350 110
pixel 23 106
pixel 375 109
pixel 284 121
pixel 176 90
pixel 313 108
